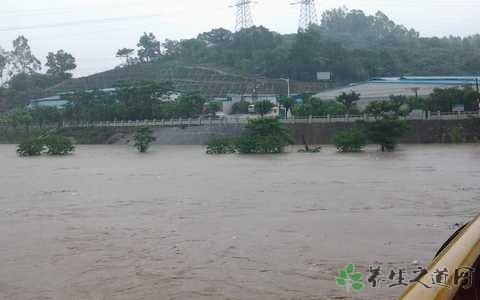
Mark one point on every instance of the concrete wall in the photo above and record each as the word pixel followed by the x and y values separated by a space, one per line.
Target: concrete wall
pixel 320 133
pixel 420 132
pixel 317 133
pixel 196 135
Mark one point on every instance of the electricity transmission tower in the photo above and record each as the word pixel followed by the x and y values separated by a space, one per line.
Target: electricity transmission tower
pixel 308 13
pixel 244 14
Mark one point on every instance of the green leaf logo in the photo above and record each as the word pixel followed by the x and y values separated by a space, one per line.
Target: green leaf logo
pixel 350 279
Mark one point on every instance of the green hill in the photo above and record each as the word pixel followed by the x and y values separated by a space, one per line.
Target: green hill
pixel 211 80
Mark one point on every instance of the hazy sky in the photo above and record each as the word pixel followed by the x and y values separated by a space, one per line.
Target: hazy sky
pixel 92 30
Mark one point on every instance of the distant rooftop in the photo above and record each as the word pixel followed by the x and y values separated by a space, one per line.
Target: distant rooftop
pixel 381 88
pixel 442 80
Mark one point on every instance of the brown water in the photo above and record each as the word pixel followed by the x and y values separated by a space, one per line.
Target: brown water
pixel 108 223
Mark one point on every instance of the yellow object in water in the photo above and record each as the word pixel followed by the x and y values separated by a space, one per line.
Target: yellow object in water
pixel 463 251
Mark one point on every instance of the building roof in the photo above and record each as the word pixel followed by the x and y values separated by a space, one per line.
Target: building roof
pixel 55 101
pixel 381 88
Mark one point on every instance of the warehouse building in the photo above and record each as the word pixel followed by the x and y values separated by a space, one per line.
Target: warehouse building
pixel 381 88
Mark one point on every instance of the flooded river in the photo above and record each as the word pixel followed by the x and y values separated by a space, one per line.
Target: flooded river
pixel 108 223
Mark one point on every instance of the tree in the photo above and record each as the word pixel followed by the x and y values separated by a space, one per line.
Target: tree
pixel 46 115
pixel 143 137
pixel 220 146
pixel 240 107
pixel 212 107
pixel 149 48
pixel 349 100
pixel 60 63
pixel 190 105
pixel 380 109
pixel 31 147
pixel 264 135
pixel 125 53
pixel 139 99
pixel 318 107
pixel 21 117
pixel 288 103
pixel 445 99
pixel 3 64
pixel 350 141
pixel 263 107
pixel 58 145
pixel 22 59
pixel 386 132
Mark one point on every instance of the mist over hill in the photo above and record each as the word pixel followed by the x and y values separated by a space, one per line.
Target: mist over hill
pixel 349 44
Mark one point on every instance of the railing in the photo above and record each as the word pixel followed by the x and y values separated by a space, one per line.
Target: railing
pixel 428 116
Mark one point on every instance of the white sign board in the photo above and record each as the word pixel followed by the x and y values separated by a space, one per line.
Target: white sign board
pixel 458 108
pixel 324 76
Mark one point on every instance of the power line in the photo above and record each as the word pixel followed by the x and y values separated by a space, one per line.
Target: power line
pixel 80 22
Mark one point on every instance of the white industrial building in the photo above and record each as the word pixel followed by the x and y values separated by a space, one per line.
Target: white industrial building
pixel 382 88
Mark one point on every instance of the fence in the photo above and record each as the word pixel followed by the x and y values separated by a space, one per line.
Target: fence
pixel 428 116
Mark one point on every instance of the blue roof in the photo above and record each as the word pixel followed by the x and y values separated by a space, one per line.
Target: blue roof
pixel 440 80
pixel 55 101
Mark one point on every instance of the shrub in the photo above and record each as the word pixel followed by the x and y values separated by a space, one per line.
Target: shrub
pixel 263 107
pixel 265 135
pixel 240 107
pixel 350 141
pixel 386 132
pixel 143 137
pixel 220 146
pixel 58 145
pixel 31 147
pixel 457 135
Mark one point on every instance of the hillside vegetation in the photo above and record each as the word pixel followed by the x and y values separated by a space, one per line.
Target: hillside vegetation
pixel 348 43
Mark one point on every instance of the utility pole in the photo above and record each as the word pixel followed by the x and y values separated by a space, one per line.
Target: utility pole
pixel 308 13
pixel 478 93
pixel 244 14
pixel 287 80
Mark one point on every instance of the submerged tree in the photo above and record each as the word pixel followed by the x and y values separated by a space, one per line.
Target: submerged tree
pixel 386 132
pixel 143 137
pixel 265 135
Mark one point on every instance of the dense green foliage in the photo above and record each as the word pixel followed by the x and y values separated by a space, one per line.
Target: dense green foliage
pixel 349 101
pixel 263 107
pixel 350 141
pixel 264 135
pixel 221 146
pixel 444 99
pixel 386 132
pixel 55 145
pixel 133 101
pixel 456 135
pixel 58 145
pixel 240 107
pixel 143 137
pixel 317 107
pixel 60 63
pixel 31 147
pixel 20 79
pixel 348 43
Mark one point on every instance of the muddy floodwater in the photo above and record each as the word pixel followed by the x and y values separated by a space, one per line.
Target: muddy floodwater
pixel 108 223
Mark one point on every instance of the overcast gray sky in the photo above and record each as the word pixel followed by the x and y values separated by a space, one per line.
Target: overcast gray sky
pixel 92 30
